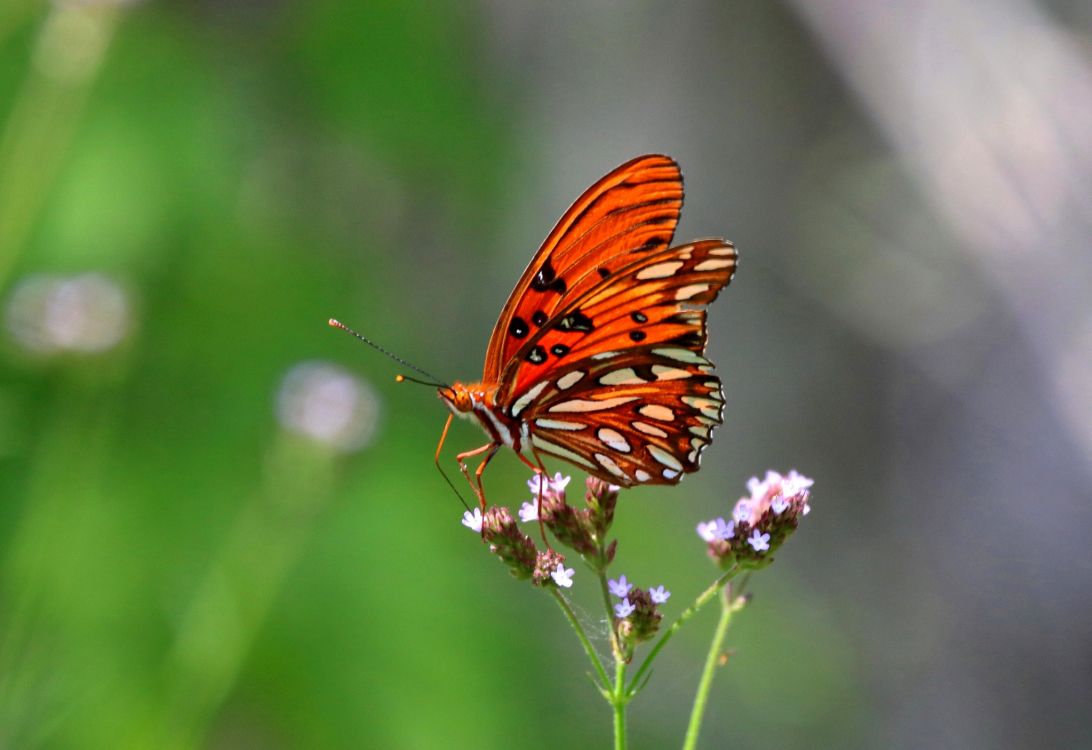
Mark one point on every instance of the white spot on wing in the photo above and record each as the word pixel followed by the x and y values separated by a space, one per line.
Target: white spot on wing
pixel 657 412
pixel 669 474
pixel 625 376
pixel 690 290
pixel 665 458
pixel 669 373
pixel 525 400
pixel 660 270
pixel 642 475
pixel 557 424
pixel 712 265
pixel 581 404
pixel 682 355
pixel 649 429
pixel 613 439
pixel 722 251
pixel 568 381
pixel 604 355
pixel 608 463
pixel 557 450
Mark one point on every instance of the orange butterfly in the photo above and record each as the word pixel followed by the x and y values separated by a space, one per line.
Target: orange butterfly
pixel 598 355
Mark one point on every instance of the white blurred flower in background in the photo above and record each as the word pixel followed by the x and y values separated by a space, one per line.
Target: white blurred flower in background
pixel 325 403
pixel 87 313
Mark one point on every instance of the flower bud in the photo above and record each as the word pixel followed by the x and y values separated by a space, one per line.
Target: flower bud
pixel 507 542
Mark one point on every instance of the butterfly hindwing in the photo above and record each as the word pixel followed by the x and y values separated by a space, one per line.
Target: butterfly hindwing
pixel 617 381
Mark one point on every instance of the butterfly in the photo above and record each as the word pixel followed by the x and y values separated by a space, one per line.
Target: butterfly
pixel 598 357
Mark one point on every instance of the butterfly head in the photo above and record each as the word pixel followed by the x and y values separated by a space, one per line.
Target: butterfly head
pixel 458 398
pixel 463 398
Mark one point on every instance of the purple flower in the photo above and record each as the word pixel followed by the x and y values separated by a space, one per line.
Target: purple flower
pixel 529 511
pixel 760 541
pixel 563 576
pixel 620 587
pixel 473 520
pixel 659 595
pixel 724 531
pixel 623 609
pixel 779 505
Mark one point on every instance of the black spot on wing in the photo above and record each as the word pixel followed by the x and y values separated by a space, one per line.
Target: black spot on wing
pixel 518 327
pixel 546 280
pixel 576 321
pixel 539 318
pixel 639 317
pixel 536 356
pixel 637 335
pixel 653 243
pixel 559 350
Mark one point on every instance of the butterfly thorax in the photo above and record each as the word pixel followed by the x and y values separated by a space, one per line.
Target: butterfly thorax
pixel 477 402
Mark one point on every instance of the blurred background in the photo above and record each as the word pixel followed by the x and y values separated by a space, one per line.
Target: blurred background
pixel 219 521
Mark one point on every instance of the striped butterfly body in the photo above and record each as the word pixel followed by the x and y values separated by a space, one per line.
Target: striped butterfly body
pixel 598 355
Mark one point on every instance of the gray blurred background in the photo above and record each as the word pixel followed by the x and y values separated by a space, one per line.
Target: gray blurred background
pixel 910 188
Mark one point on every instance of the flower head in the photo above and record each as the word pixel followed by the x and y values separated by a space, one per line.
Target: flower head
pixel 659 595
pixel 507 542
pixel 619 587
pixel 761 521
pixel 638 618
pixel 473 520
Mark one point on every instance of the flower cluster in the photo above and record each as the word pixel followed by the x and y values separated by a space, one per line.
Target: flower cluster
pixel 582 530
pixel 761 522
pixel 637 615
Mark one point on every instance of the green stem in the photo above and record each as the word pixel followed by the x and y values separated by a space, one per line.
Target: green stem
pixel 618 701
pixel 601 571
pixel 711 660
pixel 588 649
pixel 692 610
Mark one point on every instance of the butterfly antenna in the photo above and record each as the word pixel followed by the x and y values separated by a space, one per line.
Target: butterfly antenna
pixel 433 380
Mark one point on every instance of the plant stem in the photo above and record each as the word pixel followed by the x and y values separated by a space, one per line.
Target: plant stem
pixel 588 649
pixel 711 661
pixel 619 700
pixel 689 612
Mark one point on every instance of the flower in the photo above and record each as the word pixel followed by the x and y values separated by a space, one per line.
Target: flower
pixel 473 520
pixel 779 505
pixel 529 511
pixel 758 540
pixel 707 530
pixel 724 531
pixel 742 512
pixel 623 609
pixel 563 576
pixel 659 595
pixel 619 587
pixel 556 485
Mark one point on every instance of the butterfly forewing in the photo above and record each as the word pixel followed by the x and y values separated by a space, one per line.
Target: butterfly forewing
pixel 630 212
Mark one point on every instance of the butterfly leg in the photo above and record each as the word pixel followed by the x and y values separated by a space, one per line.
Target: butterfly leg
pixel 540 469
pixel 440 447
pixel 461 458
